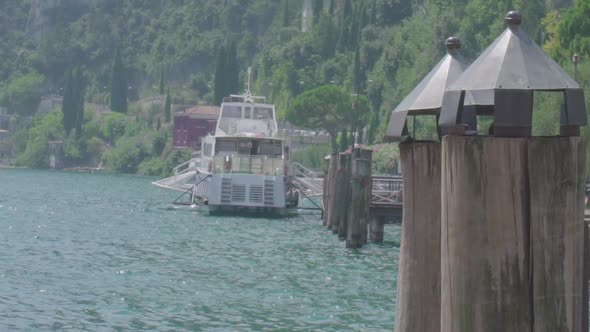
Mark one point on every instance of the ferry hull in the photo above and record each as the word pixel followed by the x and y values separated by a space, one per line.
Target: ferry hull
pixel 245 193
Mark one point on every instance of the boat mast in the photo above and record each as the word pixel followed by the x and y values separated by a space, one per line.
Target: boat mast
pixel 247 96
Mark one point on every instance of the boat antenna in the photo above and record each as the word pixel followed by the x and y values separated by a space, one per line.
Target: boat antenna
pixel 249 81
pixel 247 96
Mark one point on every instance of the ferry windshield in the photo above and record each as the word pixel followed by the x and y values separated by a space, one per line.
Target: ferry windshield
pixel 230 111
pixel 262 113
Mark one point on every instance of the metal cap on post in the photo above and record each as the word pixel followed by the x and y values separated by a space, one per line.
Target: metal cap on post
pixel 429 95
pixel 507 73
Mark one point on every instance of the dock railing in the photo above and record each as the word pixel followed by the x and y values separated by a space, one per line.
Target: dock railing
pixel 387 190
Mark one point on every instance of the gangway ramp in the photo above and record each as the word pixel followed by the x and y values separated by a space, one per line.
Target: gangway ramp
pixel 183 178
pixel 307 181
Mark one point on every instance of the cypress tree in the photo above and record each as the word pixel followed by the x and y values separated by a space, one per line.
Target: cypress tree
pixel 343 140
pixel 219 88
pixel 68 105
pixel 168 107
pixel 118 85
pixel 373 127
pixel 373 15
pixel 347 9
pixel 73 101
pixel 162 80
pixel 79 100
pixel 232 70
pixel 317 8
pixel 285 16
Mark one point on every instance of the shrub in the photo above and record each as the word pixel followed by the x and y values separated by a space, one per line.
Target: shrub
pixel 312 156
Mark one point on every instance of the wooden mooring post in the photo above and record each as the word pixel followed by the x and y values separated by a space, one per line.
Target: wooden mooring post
pixel 512 234
pixel 342 194
pixel 485 281
pixel 376 228
pixel 331 188
pixel 356 234
pixel 586 299
pixel 418 287
pixel 347 196
pixel 557 179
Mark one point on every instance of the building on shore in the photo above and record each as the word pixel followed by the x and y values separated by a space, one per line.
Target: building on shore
pixel 192 124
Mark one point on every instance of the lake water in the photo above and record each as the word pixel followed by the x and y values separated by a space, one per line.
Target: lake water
pixel 108 252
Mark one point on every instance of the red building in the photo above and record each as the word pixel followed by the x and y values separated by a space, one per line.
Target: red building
pixel 192 124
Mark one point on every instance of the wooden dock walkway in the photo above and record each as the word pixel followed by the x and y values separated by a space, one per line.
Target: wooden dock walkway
pixel 386 191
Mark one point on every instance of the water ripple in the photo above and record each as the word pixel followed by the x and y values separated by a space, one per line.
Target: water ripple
pixel 105 252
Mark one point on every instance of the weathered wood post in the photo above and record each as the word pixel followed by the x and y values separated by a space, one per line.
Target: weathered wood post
pixel 341 193
pixel 512 205
pixel 331 201
pixel 360 195
pixel 418 286
pixel 418 289
pixel 325 190
pixel 557 179
pixel 376 228
pixel 346 191
pixel 586 298
pixel 367 193
pixel 485 281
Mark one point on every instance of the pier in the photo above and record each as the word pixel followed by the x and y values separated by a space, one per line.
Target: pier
pixel 494 233
pixel 493 237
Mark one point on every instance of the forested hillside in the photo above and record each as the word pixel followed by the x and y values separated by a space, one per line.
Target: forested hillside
pixel 377 48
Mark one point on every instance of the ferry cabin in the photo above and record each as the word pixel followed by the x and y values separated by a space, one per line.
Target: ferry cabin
pixel 245 161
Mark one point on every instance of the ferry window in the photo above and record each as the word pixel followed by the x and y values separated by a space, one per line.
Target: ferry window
pixel 270 149
pixel 247 147
pixel 247 112
pixel 230 111
pixel 262 113
pixel 226 147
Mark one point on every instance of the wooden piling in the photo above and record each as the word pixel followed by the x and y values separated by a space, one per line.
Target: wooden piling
pixel 418 287
pixel 325 191
pixel 332 170
pixel 586 291
pixel 367 192
pixel 557 177
pixel 342 188
pixel 345 213
pixel 485 271
pixel 376 229
pixel 360 196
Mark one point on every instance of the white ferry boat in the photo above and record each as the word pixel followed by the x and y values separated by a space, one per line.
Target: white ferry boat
pixel 243 167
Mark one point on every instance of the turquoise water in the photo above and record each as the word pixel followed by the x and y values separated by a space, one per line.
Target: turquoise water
pixel 107 252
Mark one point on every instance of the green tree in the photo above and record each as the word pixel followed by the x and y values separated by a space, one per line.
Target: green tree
pixel 285 15
pixel 373 127
pixel 118 84
pixel 22 92
pixel 114 126
pixel 344 142
pixel 317 9
pixel 168 107
pixel 326 107
pixel 162 80
pixel 73 101
pixel 219 80
pixel 325 36
pixel 232 70
pixel 574 29
pixel 43 129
